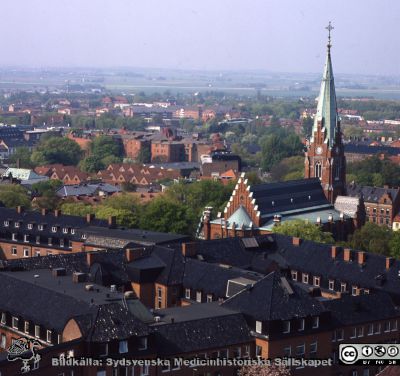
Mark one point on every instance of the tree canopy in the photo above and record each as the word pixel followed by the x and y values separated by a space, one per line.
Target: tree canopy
pixel 57 150
pixel 304 230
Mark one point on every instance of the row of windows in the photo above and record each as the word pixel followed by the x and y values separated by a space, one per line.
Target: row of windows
pixel 40 227
pixel 371 329
pixel 374 210
pixel 28 328
pixel 123 346
pixel 26 253
pixel 38 240
pixel 287 325
pixel 316 281
pixel 199 296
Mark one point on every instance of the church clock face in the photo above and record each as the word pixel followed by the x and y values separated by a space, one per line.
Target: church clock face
pixel 318 150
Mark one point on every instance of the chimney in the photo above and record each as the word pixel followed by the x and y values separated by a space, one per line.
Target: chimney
pixel 57 272
pixel 57 213
pixel 20 209
pixel 133 254
pixel 189 249
pixel 389 262
pixel 334 251
pixel 296 241
pixel 112 221
pixel 347 254
pixel 361 257
pixel 89 218
pixel 90 258
pixel 44 211
pixel 79 277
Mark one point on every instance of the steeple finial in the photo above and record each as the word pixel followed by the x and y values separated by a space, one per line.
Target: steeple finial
pixel 329 28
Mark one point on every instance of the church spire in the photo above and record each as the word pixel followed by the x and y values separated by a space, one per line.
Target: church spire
pixel 327 108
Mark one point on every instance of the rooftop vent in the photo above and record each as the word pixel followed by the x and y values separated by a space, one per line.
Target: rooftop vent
pixel 57 272
pixel 78 277
pixel 89 287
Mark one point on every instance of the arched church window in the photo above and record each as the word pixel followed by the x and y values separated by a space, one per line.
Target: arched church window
pixel 318 170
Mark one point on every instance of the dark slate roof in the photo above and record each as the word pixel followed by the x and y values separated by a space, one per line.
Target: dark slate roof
pixel 352 310
pixel 86 189
pixel 53 301
pixel 200 327
pixel 95 234
pixel 371 194
pixel 288 196
pixel 212 278
pixel 274 298
pixel 371 150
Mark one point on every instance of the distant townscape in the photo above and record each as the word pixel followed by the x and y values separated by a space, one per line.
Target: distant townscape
pixel 183 234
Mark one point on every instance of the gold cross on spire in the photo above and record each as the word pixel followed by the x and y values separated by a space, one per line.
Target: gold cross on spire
pixel 329 28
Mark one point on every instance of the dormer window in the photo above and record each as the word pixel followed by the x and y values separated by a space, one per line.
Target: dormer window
pixel 26 327
pixel 331 284
pixel 40 227
pixel 61 242
pixel 258 327
pixel 286 327
pixel 3 318
pixel 305 278
pixel 54 229
pixel 65 230
pixel 16 224
pixel 294 275
pixel 187 293
pixel 315 322
pixel 15 322
pixel 26 238
pixel 301 326
pixel 317 281
pixel 48 336
pixel 143 343
pixel 123 347
pixel 37 331
pixel 84 236
pixel 30 226
pixel 14 237
pixel 198 296
pixel 6 223
pixel 72 231
pixel 343 287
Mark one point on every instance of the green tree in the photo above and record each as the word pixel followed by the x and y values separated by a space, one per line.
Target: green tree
pixel 104 146
pixel 304 230
pixel 372 238
pixel 23 156
pixel 46 186
pixel 394 245
pixel 124 217
pixel 165 215
pixel 57 150
pixel 144 156
pixel 77 208
pixel 15 195
pixel 91 164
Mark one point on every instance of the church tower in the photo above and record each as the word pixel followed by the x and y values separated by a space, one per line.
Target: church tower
pixel 324 158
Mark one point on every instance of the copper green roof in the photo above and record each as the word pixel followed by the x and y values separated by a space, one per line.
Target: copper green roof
pixel 327 108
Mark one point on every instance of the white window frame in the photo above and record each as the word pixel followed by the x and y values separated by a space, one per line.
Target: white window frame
pixel 143 343
pixel 37 331
pixel 377 328
pixel 144 370
pixel 54 229
pixel 209 298
pixel 3 341
pixel 315 344
pixel 30 226
pixel 6 223
pixel 354 290
pixel 14 322
pixel 3 318
pixel 302 325
pixel 16 224
pixel 26 252
pixel 187 293
pixel 40 227
pixel 305 278
pixel 14 251
pixel 72 231
pixel 286 326
pixel 386 330
pixel 48 336
pixel 259 327
pixel 360 331
pixel 26 327
pixel 343 287
pixel 65 230
pixel 123 347
pixel 303 346
pixel 198 296
pixel 317 281
pixel 315 322
pixel 14 237
pixel 353 332
pixel 370 331
pixel 341 337
pixel 394 326
pixel 332 284
pixel 26 238
pixel 294 275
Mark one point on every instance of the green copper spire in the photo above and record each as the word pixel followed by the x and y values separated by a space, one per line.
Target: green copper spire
pixel 327 108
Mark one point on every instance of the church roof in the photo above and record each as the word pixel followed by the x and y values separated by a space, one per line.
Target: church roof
pixel 327 108
pixel 240 218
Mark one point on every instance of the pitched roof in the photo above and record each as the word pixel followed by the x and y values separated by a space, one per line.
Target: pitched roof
pixel 371 194
pixel 347 205
pixel 240 219
pixel 274 298
pixel 351 310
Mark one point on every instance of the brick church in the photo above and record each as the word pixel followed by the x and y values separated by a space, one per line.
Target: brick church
pixel 318 198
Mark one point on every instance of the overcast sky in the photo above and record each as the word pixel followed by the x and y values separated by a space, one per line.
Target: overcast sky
pixel 274 35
